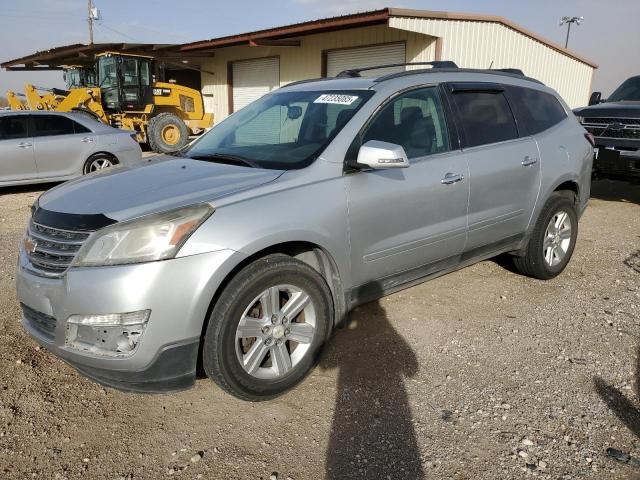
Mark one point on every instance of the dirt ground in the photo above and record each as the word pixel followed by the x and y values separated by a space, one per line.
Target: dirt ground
pixel 480 374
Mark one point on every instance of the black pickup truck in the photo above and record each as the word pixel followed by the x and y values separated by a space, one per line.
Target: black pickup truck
pixel 615 124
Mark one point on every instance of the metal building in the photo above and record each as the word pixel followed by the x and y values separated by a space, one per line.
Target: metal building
pixel 240 68
pixel 234 70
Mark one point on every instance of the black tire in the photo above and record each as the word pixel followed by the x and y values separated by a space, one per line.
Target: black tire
pixel 98 158
pixel 157 137
pixel 533 263
pixel 220 360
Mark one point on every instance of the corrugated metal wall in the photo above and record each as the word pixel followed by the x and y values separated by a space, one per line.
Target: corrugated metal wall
pixel 474 44
pixel 298 63
pixel 471 44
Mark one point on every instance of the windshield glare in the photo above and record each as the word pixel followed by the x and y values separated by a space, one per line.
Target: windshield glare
pixel 284 130
pixel 629 91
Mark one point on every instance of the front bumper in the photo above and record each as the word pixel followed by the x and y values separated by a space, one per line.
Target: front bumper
pixel 617 159
pixel 178 292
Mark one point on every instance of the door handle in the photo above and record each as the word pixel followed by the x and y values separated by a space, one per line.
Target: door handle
pixel 528 161
pixel 25 145
pixel 451 178
pixel 87 140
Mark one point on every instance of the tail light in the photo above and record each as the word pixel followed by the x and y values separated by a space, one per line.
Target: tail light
pixel 590 139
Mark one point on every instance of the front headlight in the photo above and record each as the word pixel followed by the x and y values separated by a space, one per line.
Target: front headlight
pixel 147 239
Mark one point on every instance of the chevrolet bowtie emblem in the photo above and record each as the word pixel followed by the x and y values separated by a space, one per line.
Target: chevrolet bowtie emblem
pixel 30 245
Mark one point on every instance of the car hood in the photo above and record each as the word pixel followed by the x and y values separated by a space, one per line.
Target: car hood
pixel 163 184
pixel 611 110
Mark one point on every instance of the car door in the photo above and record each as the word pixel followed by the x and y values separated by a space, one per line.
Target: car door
pixel 16 149
pixel 504 166
pixel 407 222
pixel 61 145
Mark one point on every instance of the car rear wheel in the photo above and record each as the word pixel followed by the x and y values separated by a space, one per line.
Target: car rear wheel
pixel 98 162
pixel 267 328
pixel 553 239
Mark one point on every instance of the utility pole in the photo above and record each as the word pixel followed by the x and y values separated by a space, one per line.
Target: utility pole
pixel 90 20
pixel 569 21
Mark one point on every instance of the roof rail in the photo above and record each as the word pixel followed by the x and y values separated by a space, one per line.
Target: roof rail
pixel 355 72
pixel 507 73
pixel 515 71
pixel 306 80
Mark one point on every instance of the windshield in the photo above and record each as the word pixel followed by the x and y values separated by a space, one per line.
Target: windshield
pixel 72 77
pixel 284 130
pixel 107 75
pixel 629 90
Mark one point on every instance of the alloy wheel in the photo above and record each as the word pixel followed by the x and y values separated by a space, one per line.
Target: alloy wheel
pixel 99 164
pixel 275 331
pixel 557 238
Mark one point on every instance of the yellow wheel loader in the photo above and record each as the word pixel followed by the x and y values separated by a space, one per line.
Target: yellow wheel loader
pixel 127 96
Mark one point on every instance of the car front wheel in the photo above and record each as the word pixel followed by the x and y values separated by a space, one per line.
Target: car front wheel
pixel 267 328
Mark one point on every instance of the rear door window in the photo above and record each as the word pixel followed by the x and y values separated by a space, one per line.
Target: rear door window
pixel 536 111
pixel 52 125
pixel 485 116
pixel 12 128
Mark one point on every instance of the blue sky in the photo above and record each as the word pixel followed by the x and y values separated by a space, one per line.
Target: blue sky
pixel 610 34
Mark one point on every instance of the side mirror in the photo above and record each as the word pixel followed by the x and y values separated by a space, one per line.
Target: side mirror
pixel 379 155
pixel 595 98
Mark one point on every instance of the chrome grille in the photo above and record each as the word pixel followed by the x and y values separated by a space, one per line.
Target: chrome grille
pixel 51 250
pixel 607 127
pixel 42 323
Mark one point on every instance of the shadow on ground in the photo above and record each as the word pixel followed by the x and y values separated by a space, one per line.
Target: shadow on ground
pixel 615 191
pixel 36 187
pixel 372 434
pixel 628 411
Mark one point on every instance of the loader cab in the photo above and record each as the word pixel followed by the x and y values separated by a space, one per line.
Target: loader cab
pixel 125 82
pixel 77 77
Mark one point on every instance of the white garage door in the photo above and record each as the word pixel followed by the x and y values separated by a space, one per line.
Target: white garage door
pixel 254 78
pixel 339 60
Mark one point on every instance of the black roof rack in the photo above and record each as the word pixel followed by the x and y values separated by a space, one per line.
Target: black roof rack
pixel 504 72
pixel 355 72
pixel 514 71
pixel 307 80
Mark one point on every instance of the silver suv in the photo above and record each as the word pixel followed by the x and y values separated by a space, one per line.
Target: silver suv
pixel 243 253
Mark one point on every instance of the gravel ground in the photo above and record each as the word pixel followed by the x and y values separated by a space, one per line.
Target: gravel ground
pixel 480 374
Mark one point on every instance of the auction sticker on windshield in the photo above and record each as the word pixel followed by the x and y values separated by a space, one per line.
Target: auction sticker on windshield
pixel 335 98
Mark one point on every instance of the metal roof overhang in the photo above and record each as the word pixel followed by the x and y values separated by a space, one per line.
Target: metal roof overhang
pixel 80 54
pixel 281 36
pixel 285 36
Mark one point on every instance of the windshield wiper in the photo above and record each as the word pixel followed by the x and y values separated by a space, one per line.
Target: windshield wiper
pixel 222 158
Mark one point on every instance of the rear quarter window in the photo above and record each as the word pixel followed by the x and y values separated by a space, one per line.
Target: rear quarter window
pixel 536 111
pixel 79 128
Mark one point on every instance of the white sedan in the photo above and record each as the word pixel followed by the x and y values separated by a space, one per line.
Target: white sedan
pixel 52 146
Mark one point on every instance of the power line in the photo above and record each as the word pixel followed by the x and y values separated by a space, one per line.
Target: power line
pixel 37 17
pixel 102 25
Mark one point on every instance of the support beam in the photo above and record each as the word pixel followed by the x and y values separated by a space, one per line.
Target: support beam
pixel 32 69
pixel 265 42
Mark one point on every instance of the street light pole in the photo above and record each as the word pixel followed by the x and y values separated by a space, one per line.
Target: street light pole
pixel 90 20
pixel 569 21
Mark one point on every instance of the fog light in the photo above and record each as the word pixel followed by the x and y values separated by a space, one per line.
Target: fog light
pixel 114 335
